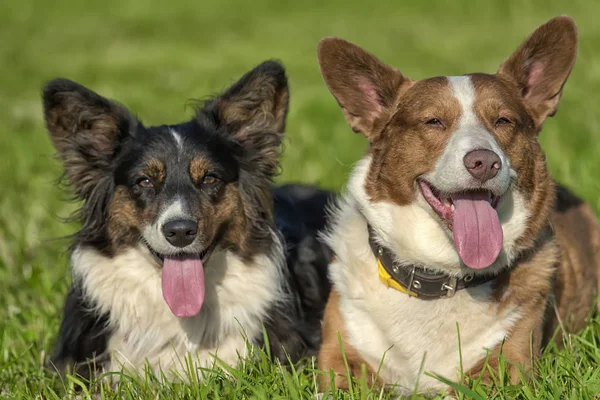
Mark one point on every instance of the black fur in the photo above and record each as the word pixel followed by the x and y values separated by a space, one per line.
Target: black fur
pixel 239 132
pixel 87 131
pixel 295 331
pixel 83 336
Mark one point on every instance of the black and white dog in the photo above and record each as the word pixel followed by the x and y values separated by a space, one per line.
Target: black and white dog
pixel 185 248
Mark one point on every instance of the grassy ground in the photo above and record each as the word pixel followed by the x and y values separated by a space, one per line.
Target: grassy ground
pixel 153 56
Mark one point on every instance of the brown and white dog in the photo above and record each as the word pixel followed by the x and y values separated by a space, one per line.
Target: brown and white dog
pixel 451 223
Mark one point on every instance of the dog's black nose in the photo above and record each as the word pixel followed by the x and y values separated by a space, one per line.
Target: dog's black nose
pixel 180 232
pixel 482 164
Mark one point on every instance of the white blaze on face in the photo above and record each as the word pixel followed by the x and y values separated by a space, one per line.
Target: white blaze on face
pixel 182 275
pixel 177 138
pixel 450 174
pixel 477 232
pixel 153 233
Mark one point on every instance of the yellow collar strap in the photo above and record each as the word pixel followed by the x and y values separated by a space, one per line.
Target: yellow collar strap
pixel 424 284
pixel 389 281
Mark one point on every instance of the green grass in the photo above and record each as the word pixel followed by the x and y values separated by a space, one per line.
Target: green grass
pixel 153 56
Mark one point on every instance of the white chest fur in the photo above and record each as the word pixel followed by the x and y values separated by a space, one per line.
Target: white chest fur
pixel 415 335
pixel 143 328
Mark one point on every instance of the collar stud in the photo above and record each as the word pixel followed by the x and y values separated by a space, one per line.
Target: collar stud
pixel 415 280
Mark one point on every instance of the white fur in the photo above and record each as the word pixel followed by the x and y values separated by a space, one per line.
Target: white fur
pixel 413 332
pixel 418 237
pixel 450 174
pixel 128 286
pixel 178 138
pixel 153 233
pixel 414 335
pixel 173 211
pixel 414 231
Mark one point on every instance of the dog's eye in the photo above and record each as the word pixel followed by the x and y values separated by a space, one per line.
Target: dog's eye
pixel 434 122
pixel 502 121
pixel 209 179
pixel 144 182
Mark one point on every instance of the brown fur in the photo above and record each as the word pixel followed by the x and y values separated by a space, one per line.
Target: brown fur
pixel 155 170
pixel 497 96
pixel 556 278
pixel 528 285
pixel 252 114
pixel 230 211
pixel 382 84
pixel 126 219
pixel 404 138
pixel 330 356
pixel 540 71
pixel 554 284
pixel 123 220
pixel 198 168
pixel 84 127
pixel 255 104
pixel 242 110
pixel 578 277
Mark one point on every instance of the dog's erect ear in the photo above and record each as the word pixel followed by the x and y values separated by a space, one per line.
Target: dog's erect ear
pixel 541 65
pixel 364 87
pixel 85 129
pixel 258 102
pixel 252 113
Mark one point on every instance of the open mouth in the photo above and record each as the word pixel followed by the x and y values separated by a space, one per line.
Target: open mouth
pixel 444 205
pixel 204 255
pixel 473 219
pixel 183 285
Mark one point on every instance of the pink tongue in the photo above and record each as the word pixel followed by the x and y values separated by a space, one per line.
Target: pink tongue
pixel 183 285
pixel 477 230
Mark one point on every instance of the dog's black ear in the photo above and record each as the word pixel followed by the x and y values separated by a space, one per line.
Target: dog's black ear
pixel 252 113
pixel 86 130
pixel 364 87
pixel 541 65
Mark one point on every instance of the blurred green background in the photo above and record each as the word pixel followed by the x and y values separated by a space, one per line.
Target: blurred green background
pixel 153 56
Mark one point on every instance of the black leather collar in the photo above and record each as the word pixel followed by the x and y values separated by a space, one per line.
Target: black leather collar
pixel 416 281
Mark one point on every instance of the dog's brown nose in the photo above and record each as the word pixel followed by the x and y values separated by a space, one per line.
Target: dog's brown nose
pixel 482 164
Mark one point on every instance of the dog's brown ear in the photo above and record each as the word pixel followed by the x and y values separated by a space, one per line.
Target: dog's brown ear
pixel 257 102
pixel 364 87
pixel 252 113
pixel 541 65
pixel 85 129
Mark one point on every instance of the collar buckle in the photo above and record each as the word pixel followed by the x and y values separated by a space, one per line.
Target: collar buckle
pixel 415 280
pixel 450 287
pixel 411 282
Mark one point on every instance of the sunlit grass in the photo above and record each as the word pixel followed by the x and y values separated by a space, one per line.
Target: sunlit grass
pixel 154 56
